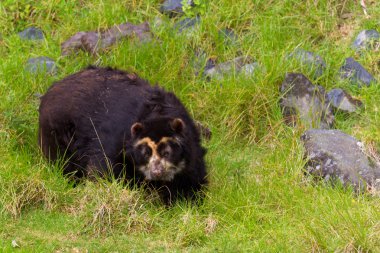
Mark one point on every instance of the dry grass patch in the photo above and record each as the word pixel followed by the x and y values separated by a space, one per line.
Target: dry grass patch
pixel 211 224
pixel 21 193
pixel 106 206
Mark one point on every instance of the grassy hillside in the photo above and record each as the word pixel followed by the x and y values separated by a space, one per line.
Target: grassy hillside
pixel 258 200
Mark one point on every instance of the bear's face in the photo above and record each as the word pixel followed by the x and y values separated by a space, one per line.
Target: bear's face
pixel 157 148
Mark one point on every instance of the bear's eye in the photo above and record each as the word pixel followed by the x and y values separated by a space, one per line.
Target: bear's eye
pixel 164 150
pixel 145 151
pixel 165 154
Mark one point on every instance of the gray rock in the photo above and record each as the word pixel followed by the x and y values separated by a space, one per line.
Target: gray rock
pixel 173 8
pixel 157 22
pixel 249 69
pixel 342 101
pixel 203 130
pixel 367 39
pixel 41 64
pixel 334 155
pixel 37 95
pixel 304 101
pixel 94 42
pixel 356 73
pixel 201 62
pixel 187 23
pixel 31 33
pixel 228 36
pixel 313 61
pixel 219 71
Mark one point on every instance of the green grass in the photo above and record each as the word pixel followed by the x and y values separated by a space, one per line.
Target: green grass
pixel 258 200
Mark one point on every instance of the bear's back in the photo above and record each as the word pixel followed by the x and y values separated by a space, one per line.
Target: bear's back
pixel 88 111
pixel 93 92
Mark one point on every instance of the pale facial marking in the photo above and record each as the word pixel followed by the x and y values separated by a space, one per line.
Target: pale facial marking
pixel 159 168
pixel 170 170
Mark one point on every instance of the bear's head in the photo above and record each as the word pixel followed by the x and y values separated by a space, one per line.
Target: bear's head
pixel 158 150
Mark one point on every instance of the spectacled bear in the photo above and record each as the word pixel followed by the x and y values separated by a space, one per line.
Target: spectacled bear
pixel 103 120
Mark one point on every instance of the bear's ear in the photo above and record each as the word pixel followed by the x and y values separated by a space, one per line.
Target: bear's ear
pixel 177 125
pixel 136 129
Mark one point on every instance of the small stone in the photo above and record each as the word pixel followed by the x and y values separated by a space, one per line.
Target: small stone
pixel 228 36
pixel 172 7
pixel 341 100
pixel 219 71
pixel 204 131
pixel 356 73
pixel 310 59
pixel 187 23
pixel 157 22
pixel 38 95
pixel 201 62
pixel 15 244
pixel 41 64
pixel 367 39
pixel 31 33
pixel 304 101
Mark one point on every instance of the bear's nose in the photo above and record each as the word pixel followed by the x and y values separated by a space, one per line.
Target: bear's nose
pixel 157 172
pixel 158 169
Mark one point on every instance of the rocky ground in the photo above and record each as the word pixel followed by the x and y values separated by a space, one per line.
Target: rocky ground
pixel 300 99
